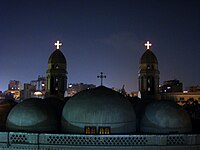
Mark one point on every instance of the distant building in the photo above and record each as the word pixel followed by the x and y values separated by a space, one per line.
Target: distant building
pixel 6 96
pixel 77 87
pixel 14 88
pixel 171 86
pixel 39 87
pixel 194 89
pixel 2 96
pixel 28 91
pixel 182 97
pixel 13 93
pixel 14 85
pixel 40 83
pixel 36 88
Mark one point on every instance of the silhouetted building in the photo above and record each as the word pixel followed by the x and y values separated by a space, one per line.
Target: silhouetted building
pixel 28 91
pixel 171 86
pixel 56 74
pixel 148 74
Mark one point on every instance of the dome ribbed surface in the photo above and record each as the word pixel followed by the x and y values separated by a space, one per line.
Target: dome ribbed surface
pixel 165 117
pixel 148 57
pixel 57 57
pixel 32 115
pixel 97 107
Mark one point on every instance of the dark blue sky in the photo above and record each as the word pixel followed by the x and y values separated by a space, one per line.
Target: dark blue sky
pixel 100 35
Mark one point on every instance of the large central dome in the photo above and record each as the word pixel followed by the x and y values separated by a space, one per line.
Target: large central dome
pixel 98 107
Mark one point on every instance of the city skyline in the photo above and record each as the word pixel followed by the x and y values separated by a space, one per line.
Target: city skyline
pixel 100 36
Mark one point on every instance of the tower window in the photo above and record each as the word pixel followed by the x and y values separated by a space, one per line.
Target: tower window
pixel 57 67
pixel 148 67
pixel 149 89
pixel 148 81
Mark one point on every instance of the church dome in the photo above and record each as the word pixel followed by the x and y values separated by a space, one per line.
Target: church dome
pixel 98 107
pixel 57 57
pixel 32 115
pixel 165 117
pixel 148 57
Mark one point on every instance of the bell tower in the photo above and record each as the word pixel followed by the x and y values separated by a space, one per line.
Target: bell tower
pixel 56 74
pixel 149 74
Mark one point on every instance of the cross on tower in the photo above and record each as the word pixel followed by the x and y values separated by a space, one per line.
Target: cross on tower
pixel 101 76
pixel 148 44
pixel 58 44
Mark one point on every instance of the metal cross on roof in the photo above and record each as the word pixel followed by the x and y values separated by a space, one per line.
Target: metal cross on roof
pixel 101 76
pixel 148 44
pixel 58 44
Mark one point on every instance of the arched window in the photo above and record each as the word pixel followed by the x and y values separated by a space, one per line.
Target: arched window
pixel 148 67
pixel 104 130
pixel 90 130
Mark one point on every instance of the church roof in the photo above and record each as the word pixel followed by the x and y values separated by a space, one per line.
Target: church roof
pixel 32 115
pixel 100 106
pixel 57 57
pixel 148 57
pixel 164 116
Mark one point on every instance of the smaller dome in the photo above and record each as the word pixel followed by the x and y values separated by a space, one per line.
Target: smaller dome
pixel 32 115
pixel 148 57
pixel 57 57
pixel 165 117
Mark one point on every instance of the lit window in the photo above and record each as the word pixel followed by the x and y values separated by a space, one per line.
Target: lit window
pixel 149 89
pixel 107 130
pixel 93 130
pixel 101 131
pixel 168 87
pixel 90 130
pixel 148 80
pixel 87 130
pixel 104 130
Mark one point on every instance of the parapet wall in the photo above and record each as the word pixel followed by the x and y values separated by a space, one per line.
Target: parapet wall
pixel 35 141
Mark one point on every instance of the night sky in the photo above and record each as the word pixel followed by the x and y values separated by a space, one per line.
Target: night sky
pixel 100 35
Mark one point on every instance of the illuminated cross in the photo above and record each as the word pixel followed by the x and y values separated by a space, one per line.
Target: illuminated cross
pixel 58 44
pixel 101 76
pixel 148 44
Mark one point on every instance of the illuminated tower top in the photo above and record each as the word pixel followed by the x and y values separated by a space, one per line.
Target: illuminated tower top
pixel 148 44
pixel 148 74
pixel 58 44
